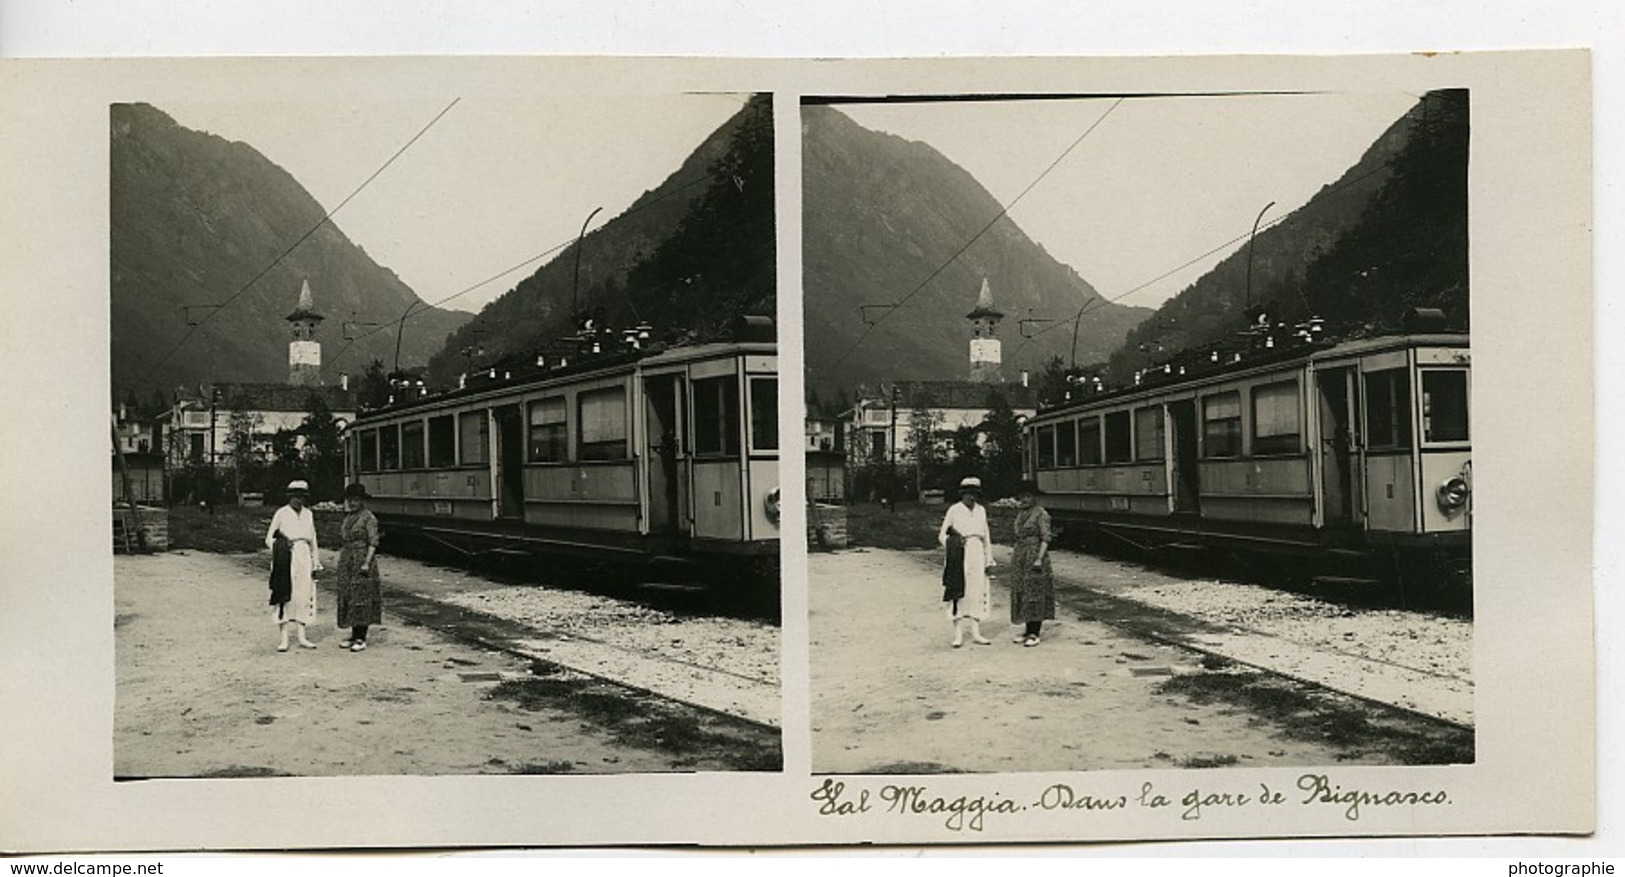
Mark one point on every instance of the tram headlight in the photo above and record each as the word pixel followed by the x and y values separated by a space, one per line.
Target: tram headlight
pixel 770 505
pixel 1454 492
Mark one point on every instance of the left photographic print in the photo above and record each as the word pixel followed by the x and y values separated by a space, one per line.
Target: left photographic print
pixel 444 436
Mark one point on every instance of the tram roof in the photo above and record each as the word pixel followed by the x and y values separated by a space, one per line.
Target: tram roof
pixel 1266 361
pixel 584 369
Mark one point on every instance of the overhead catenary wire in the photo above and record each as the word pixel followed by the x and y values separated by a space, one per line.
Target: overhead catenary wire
pixel 1004 210
pixel 681 187
pixel 326 218
pixel 1194 260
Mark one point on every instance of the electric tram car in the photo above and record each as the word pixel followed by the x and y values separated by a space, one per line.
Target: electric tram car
pixel 639 456
pixel 1353 456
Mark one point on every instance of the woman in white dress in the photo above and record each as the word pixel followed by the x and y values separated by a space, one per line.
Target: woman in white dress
pixel 294 604
pixel 966 591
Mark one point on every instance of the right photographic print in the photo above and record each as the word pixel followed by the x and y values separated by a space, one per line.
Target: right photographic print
pixel 1138 431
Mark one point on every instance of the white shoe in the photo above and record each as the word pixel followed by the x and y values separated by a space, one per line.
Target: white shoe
pixel 359 646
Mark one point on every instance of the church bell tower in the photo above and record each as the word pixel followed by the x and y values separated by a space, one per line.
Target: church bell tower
pixel 304 351
pixel 985 353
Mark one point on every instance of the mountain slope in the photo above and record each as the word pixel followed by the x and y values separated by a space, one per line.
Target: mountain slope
pixel 194 218
pixel 687 256
pixel 1390 233
pixel 880 214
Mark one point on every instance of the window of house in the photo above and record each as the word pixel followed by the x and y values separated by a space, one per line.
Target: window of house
pixel 877 445
pixel 1387 409
pixel 1221 425
pixel 1046 447
pixel 764 414
pixel 1276 427
pixel 1444 405
pixel 412 444
pixel 716 416
pixel 1148 433
pixel 549 432
pixel 474 430
pixel 442 442
pixel 1066 444
pixel 1119 444
pixel 603 424
pixel 1089 441
pixel 389 448
pixel 195 452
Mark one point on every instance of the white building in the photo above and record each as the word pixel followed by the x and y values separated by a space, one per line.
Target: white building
pixel 880 421
pixel 200 425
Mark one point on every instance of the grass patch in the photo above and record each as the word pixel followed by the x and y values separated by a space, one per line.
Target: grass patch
pixel 1200 761
pixel 1353 726
pixel 912 525
pixel 235 529
pixel 647 722
pixel 913 767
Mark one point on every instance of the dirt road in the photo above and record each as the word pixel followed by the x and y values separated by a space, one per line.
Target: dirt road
pixel 888 695
pixel 201 691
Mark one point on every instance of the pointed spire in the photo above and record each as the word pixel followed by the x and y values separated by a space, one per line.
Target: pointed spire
pixel 984 304
pixel 306 311
pixel 984 299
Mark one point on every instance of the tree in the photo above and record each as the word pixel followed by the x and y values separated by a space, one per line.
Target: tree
pixel 242 427
pixel 323 453
pixel 1003 449
pixel 374 386
pixel 924 427
pixel 1052 382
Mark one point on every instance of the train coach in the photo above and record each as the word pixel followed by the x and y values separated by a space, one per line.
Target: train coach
pixel 641 456
pixel 1354 456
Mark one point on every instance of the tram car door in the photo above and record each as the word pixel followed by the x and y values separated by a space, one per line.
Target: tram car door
pixel 666 403
pixel 509 462
pixel 1339 444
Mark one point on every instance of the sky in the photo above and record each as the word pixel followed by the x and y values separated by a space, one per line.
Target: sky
pixel 1158 182
pixel 491 184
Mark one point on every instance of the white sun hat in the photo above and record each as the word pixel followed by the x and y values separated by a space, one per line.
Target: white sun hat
pixel 971 483
pixel 298 485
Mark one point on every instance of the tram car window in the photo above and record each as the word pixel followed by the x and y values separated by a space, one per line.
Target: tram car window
pixel 1388 409
pixel 764 414
pixel 1221 425
pixel 442 442
pixel 389 448
pixel 1089 441
pixel 602 418
pixel 1276 427
pixel 1444 405
pixel 1046 447
pixel 474 433
pixel 1119 444
pixel 716 417
pixel 549 433
pixel 412 444
pixel 368 461
pixel 1148 433
pixel 1066 444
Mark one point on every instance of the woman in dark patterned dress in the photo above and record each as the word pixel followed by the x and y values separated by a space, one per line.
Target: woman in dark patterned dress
pixel 359 598
pixel 1032 590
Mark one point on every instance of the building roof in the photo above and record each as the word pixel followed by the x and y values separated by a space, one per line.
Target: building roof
pixel 975 395
pixel 277 397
